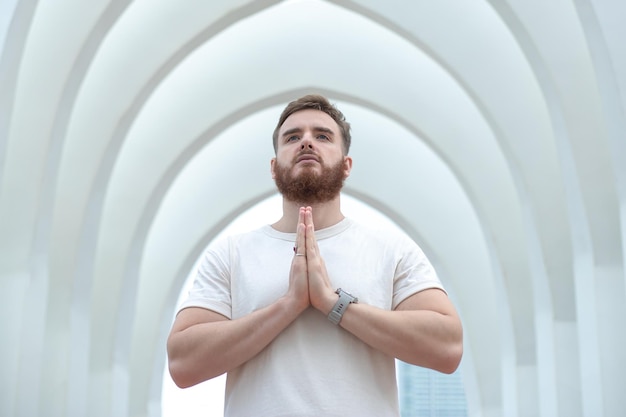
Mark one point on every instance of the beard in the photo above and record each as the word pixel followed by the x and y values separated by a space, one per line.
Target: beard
pixel 310 187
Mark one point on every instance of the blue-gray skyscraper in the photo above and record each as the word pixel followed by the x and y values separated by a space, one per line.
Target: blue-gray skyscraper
pixel 426 393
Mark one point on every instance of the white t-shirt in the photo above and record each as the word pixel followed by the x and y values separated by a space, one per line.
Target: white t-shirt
pixel 313 368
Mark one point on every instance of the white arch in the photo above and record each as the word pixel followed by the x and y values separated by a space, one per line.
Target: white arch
pixel 523 105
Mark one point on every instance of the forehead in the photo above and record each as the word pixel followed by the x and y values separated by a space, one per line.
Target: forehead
pixel 309 118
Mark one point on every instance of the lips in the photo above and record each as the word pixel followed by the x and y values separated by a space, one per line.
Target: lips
pixel 307 157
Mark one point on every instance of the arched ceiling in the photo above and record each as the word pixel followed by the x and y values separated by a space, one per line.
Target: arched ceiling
pixel 131 133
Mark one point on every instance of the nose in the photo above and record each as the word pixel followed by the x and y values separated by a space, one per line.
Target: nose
pixel 306 142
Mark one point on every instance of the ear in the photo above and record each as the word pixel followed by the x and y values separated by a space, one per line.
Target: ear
pixel 272 165
pixel 347 166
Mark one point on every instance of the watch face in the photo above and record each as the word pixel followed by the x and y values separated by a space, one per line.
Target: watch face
pixel 344 293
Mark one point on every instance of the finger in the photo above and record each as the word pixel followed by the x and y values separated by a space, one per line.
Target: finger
pixel 308 217
pixel 301 215
pixel 311 241
pixel 300 220
pixel 300 235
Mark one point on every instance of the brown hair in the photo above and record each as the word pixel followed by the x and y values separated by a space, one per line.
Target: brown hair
pixel 316 102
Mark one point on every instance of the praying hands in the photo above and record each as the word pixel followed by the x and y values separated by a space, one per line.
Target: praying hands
pixel 308 279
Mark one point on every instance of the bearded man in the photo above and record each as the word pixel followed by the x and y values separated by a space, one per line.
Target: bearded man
pixel 307 315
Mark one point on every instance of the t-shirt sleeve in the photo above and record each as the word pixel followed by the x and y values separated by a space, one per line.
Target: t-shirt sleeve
pixel 414 273
pixel 211 287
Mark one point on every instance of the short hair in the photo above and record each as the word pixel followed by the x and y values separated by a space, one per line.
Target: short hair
pixel 316 102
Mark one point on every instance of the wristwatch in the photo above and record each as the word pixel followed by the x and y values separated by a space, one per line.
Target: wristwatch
pixel 345 299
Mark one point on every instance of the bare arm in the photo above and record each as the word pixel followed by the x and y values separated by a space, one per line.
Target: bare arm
pixel 424 330
pixel 204 344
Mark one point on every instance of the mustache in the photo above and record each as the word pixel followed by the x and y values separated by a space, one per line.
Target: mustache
pixel 307 153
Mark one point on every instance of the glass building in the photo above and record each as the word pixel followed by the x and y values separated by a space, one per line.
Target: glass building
pixel 427 393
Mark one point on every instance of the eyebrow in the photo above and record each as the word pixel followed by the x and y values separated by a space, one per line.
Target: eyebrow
pixel 323 129
pixel 315 129
pixel 291 131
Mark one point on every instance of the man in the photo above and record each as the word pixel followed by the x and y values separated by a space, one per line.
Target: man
pixel 307 315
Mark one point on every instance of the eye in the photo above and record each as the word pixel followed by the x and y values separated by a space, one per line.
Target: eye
pixel 292 138
pixel 323 137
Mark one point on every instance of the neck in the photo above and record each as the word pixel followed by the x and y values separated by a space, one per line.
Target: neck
pixel 324 215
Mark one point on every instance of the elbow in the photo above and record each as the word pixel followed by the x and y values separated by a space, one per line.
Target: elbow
pixel 176 365
pixel 186 373
pixel 451 360
pixel 180 376
pixel 453 351
pixel 181 370
pixel 185 376
pixel 443 358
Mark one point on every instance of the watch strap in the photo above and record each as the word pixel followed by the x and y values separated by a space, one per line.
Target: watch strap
pixel 345 299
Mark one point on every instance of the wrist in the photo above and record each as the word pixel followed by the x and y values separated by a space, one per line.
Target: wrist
pixel 325 302
pixel 293 305
pixel 341 305
pixel 329 302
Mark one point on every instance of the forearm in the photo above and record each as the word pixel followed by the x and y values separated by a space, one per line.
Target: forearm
pixel 421 337
pixel 205 350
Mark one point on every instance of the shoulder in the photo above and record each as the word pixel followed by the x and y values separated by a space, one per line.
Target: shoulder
pixel 224 246
pixel 389 241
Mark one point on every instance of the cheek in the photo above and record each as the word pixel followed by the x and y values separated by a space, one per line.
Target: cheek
pixel 284 158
